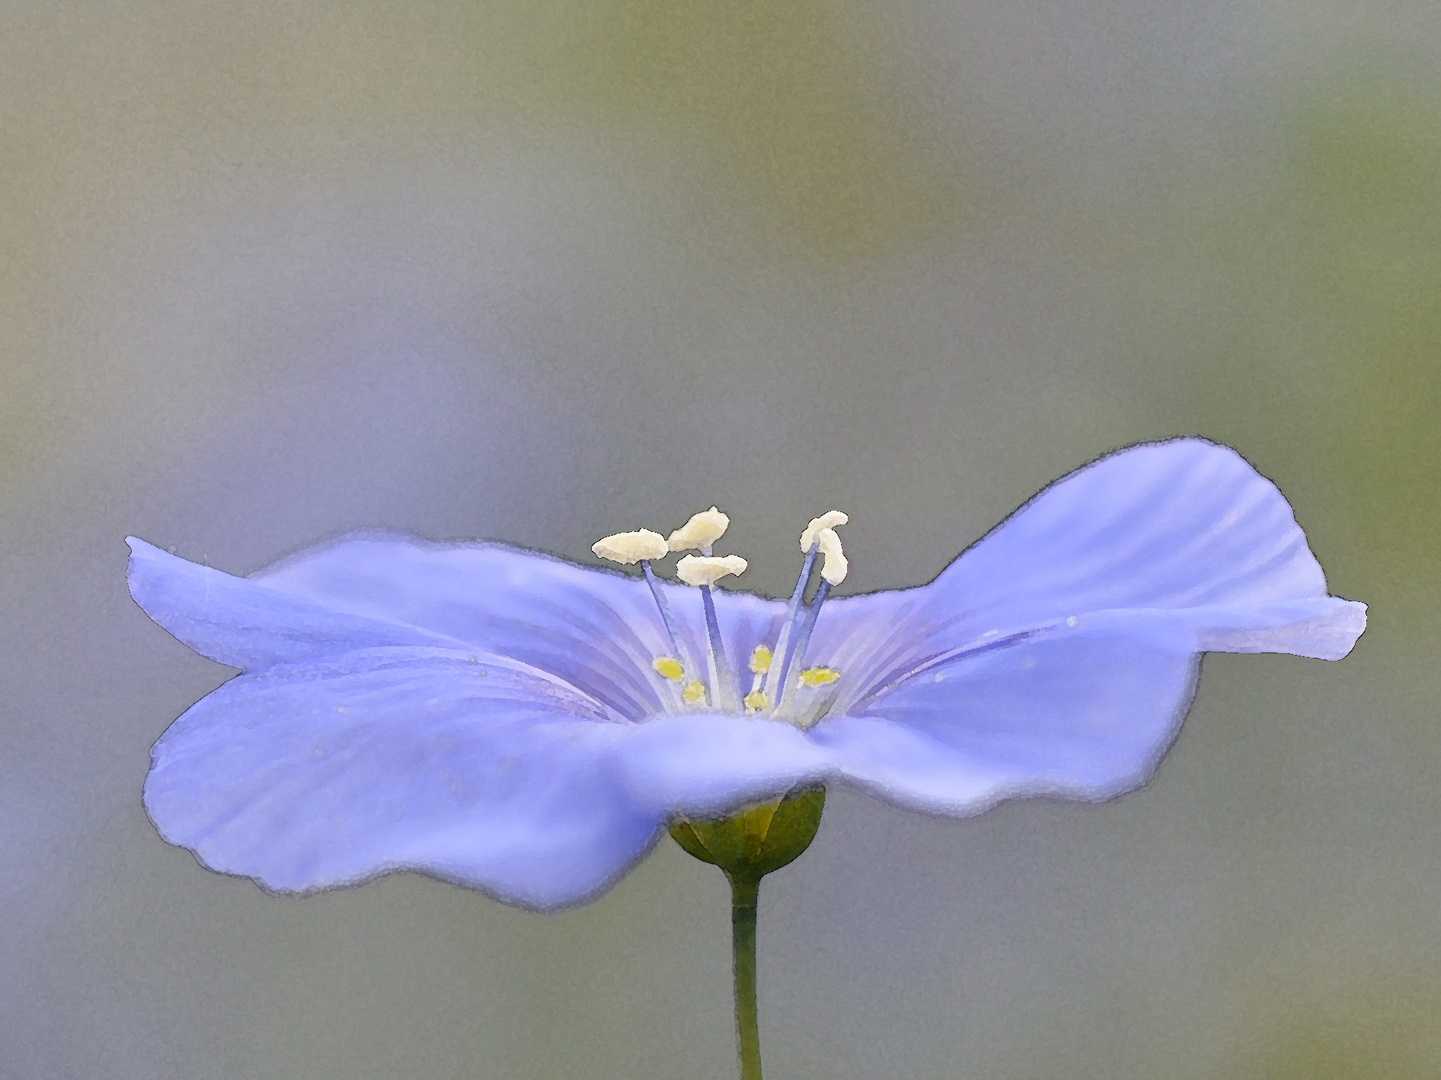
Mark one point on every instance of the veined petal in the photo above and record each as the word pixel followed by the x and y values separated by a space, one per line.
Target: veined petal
pixel 240 622
pixel 597 629
pixel 1071 712
pixel 479 771
pixel 1059 654
pixel 710 763
pixel 1174 524
pixel 1324 628
pixel 1184 525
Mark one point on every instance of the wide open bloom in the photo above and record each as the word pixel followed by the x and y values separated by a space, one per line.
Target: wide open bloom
pixel 519 724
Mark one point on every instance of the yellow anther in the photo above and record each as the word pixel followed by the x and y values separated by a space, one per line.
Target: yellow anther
pixel 704 569
pixel 700 532
pixel 761 660
pixel 819 676
pixel 694 691
pixel 757 700
pixel 631 547
pixel 835 567
pixel 829 520
pixel 669 667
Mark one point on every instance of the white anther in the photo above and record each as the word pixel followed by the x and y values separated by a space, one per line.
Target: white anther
pixel 700 532
pixel 705 570
pixel 631 547
pixel 829 520
pixel 835 567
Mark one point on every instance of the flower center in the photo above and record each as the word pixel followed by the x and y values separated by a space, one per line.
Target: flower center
pixel 801 698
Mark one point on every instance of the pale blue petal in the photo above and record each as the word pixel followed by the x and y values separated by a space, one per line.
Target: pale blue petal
pixel 242 623
pixel 1058 655
pixel 1174 524
pixel 1323 628
pixel 1070 712
pixel 707 763
pixel 1183 526
pixel 481 772
pixel 598 629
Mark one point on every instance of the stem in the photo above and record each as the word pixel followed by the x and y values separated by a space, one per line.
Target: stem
pixel 743 945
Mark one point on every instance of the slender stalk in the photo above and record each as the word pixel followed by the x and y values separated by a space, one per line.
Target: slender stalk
pixel 743 949
pixel 781 658
pixel 803 640
pixel 665 615
pixel 722 692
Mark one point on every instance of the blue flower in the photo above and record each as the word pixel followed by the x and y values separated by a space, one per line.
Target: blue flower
pixel 522 725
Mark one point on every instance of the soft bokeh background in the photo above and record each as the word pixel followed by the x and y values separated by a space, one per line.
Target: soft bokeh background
pixel 541 269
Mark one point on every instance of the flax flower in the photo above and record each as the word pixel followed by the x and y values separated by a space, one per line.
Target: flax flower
pixel 526 726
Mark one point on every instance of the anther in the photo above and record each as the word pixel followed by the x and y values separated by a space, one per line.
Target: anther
pixel 829 520
pixel 629 548
pixel 757 700
pixel 760 660
pixel 669 667
pixel 694 691
pixel 700 532
pixel 819 676
pixel 836 565
pixel 707 570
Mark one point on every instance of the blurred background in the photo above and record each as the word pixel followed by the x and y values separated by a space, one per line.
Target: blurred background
pixel 540 270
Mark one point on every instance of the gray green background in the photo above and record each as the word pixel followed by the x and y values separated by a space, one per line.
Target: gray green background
pixel 542 270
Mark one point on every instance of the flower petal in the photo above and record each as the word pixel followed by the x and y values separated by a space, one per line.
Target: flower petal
pixel 1073 712
pixel 1059 654
pixel 478 771
pixel 1325 628
pixel 1180 525
pixel 597 629
pixel 240 622
pixel 706 764
pixel 1174 524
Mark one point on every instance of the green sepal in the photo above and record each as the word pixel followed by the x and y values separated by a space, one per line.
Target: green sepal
pixel 756 839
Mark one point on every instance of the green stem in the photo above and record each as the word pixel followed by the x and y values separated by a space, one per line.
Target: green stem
pixel 743 930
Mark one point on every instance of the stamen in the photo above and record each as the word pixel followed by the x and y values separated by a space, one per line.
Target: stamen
pixel 760 663
pixel 717 669
pixel 775 678
pixel 829 520
pixel 836 564
pixel 628 548
pixel 700 532
pixel 803 639
pixel 814 699
pixel 813 539
pixel 641 546
pixel 833 573
pixel 706 570
pixel 694 691
pixel 665 616
pixel 669 667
